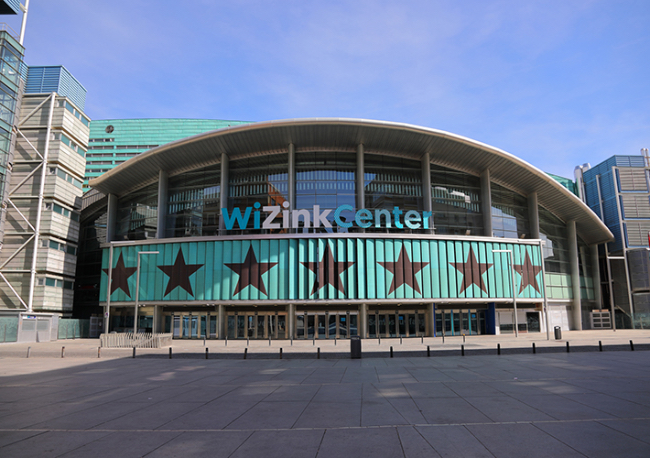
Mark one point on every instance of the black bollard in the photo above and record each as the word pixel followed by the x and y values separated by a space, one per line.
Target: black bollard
pixel 292 341
pixel 29 349
pixel 534 349
pixel 170 352
pixel 400 340
pixel 463 338
pixel 379 339
pixel 391 351
pixel 443 338
pixel 280 353
pixel 62 352
pixel 318 353
pixel 462 350
pixel 428 351
pixel 600 345
pixel 631 346
pixel 422 339
pixel 269 341
pixel 206 352
pixel 568 350
pixel 498 349
pixel 245 352
pixel 134 352
pixel 247 341
pixel 226 341
pixel 99 352
pixel 204 341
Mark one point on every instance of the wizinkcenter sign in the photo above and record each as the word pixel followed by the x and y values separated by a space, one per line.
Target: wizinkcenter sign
pixel 267 217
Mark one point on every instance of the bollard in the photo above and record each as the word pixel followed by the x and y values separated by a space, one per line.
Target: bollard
pixel 631 346
pixel 428 351
pixel 391 351
pixel 292 341
pixel 534 350
pixel 280 352
pixel 204 341
pixel 62 352
pixel 134 352
pixel 568 350
pixel 462 350
pixel 226 341
pixel 269 341
pixel 400 340
pixel 600 345
pixel 99 352
pixel 247 341
pixel 318 353
pixel 443 338
pixel 422 339
pixel 29 349
pixel 313 341
pixel 335 341
pixel 498 349
pixel 170 352
pixel 463 338
pixel 379 339
pixel 206 352
pixel 245 352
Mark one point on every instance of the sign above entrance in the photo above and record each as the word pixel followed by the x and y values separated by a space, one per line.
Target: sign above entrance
pixel 281 217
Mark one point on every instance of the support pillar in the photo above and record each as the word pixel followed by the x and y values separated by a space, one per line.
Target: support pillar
pixel 595 276
pixel 426 188
pixel 291 318
pixel 533 215
pixel 486 203
pixel 292 175
pixel 430 327
pixel 361 184
pixel 363 321
pixel 575 275
pixel 223 191
pixel 221 321
pixel 163 192
pixel 111 217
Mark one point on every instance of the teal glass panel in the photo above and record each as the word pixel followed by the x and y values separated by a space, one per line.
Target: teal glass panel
pixel 382 272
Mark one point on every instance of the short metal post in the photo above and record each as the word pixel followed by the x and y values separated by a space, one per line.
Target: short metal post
pixel 269 341
pixel 428 351
pixel 318 353
pixel 379 339
pixel 463 338
pixel 631 346
pixel 443 338
pixel 498 349
pixel 313 341
pixel 206 352
pixel 400 340
pixel 421 339
pixel 600 345
pixel 391 351
pixel 568 350
pixel 134 352
pixel 247 341
pixel 62 352
pixel 170 352
pixel 245 352
pixel 99 352
pixel 226 341
pixel 280 352
pixel 292 341
pixel 335 341
pixel 204 341
pixel 462 350
pixel 534 349
pixel 29 349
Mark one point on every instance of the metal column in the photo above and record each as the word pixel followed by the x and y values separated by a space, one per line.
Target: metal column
pixel 426 188
pixel 486 203
pixel 223 191
pixel 575 275
pixel 163 192
pixel 533 216
pixel 361 184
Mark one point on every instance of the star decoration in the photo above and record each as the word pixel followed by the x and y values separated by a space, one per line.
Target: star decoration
pixel 120 276
pixel 472 271
pixel 329 271
pixel 250 272
pixel 179 274
pixel 404 271
pixel 528 274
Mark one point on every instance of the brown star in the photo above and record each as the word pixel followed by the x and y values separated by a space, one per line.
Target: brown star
pixel 329 271
pixel 250 272
pixel 179 274
pixel 528 274
pixel 404 271
pixel 120 276
pixel 472 271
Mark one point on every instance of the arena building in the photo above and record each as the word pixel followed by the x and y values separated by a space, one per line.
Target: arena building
pixel 329 228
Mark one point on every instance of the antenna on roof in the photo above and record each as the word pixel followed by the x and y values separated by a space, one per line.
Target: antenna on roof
pixel 24 9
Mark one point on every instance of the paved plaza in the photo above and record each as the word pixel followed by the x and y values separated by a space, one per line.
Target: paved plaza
pixel 577 404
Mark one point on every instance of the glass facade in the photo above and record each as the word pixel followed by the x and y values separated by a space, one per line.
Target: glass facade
pixel 392 182
pixel 556 255
pixel 509 213
pixel 137 215
pixel 326 179
pixel 194 203
pixel 456 202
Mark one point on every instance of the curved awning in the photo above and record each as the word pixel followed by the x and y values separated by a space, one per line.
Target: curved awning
pixel 340 134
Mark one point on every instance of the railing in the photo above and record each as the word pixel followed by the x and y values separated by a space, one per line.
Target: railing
pixel 139 340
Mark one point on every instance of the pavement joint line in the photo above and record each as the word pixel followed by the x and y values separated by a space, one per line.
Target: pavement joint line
pixel 329 428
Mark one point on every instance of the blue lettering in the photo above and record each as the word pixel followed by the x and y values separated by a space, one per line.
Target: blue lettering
pixel 337 215
pixel 229 220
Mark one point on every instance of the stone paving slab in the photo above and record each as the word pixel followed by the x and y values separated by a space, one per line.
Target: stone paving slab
pixel 557 404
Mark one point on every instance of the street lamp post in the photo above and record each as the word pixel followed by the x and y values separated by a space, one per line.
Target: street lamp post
pixel 137 290
pixel 514 290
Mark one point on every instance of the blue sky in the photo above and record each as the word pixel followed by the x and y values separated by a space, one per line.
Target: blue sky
pixel 557 83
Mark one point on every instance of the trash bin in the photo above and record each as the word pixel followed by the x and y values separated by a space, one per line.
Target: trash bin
pixel 558 333
pixel 355 347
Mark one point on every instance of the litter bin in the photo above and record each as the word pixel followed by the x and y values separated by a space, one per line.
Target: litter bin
pixel 355 347
pixel 558 333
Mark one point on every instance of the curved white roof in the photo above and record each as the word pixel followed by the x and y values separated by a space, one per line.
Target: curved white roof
pixel 341 134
